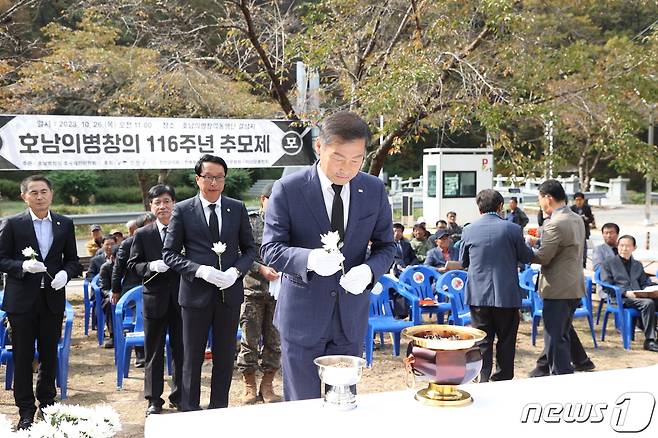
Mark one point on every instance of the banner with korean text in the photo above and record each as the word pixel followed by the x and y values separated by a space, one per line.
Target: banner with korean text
pixel 36 142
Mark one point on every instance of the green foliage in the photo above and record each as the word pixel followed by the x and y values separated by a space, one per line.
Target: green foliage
pixel 10 190
pixel 74 186
pixel 113 195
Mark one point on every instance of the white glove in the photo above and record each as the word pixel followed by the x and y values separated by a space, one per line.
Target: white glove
pixel 158 266
pixel 357 279
pixel 324 263
pixel 210 274
pixel 230 276
pixel 60 280
pixel 33 266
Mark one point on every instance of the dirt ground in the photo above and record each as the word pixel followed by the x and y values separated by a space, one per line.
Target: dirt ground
pixel 92 377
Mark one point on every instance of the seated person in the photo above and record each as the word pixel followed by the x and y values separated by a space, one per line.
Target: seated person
pixel 627 273
pixel 404 254
pixel 444 251
pixel 105 284
pixel 420 243
pixel 441 225
pixel 97 261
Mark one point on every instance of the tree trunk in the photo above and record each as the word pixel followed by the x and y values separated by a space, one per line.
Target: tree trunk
pixel 163 176
pixel 142 179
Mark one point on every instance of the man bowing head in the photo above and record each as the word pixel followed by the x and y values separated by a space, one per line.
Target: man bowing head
pixel 322 307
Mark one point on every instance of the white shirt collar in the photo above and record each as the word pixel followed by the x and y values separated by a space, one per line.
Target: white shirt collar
pixel 205 203
pixel 160 225
pixel 325 182
pixel 35 218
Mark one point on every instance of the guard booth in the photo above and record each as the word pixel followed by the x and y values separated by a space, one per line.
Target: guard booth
pixel 451 180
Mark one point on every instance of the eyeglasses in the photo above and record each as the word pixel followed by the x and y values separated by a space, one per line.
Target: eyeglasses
pixel 211 179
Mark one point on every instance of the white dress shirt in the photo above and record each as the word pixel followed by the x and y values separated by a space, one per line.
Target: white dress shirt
pixel 161 228
pixel 43 228
pixel 328 195
pixel 218 209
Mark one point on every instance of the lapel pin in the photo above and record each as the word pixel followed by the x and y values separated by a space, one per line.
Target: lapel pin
pixel 360 190
pixel 228 209
pixel 58 223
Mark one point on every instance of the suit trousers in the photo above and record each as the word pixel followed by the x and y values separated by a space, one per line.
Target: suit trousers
pixel 558 318
pixel 155 332
pixel 301 380
pixel 196 324
pixel 502 323
pixel 578 354
pixel 45 327
pixel 647 308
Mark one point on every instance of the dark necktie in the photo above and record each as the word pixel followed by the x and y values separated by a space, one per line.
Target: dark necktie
pixel 213 223
pixel 337 217
pixel 164 233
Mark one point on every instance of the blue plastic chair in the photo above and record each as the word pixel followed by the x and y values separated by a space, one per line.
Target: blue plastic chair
pixel 420 283
pixel 583 311
pixel 452 286
pixel 86 297
pixel 63 354
pixel 125 342
pixel 624 315
pixel 381 319
pixel 528 283
pixel 98 305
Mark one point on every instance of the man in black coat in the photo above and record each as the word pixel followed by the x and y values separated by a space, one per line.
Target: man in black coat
pixel 215 233
pixel 160 295
pixel 582 208
pixel 124 279
pixel 35 296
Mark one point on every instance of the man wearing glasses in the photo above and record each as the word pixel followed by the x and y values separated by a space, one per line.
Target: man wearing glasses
pixel 211 291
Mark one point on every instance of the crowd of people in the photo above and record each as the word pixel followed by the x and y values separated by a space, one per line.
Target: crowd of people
pixel 207 266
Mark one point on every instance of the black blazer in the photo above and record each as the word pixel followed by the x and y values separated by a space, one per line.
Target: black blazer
pixel 22 289
pixel 161 289
pixel 124 279
pixel 189 230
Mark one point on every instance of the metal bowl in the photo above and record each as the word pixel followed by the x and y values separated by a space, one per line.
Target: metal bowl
pixel 340 370
pixel 440 337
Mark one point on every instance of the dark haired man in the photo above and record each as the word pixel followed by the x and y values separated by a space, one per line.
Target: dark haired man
pixel 404 254
pixel 210 293
pixel 515 214
pixel 492 248
pixel 320 311
pixel 627 273
pixel 561 283
pixel 160 296
pixel 582 209
pixel 34 295
pixel 608 248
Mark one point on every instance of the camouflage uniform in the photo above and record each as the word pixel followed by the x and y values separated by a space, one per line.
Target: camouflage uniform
pixel 257 315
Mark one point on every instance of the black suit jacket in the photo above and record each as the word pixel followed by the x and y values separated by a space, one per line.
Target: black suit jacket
pixel 95 266
pixel 124 279
pixel 614 272
pixel 22 289
pixel 161 289
pixel 189 230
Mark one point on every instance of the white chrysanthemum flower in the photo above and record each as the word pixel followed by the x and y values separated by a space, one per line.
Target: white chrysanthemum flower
pixel 29 252
pixel 219 248
pixel 330 241
pixel 5 425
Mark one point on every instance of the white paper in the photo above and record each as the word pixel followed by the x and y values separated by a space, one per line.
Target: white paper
pixel 275 287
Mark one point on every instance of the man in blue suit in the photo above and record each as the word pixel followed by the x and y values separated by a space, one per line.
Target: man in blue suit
pixel 444 251
pixel 210 293
pixel 491 249
pixel 404 253
pixel 320 311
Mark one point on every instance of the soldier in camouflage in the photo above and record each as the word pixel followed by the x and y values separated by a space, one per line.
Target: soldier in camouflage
pixel 256 320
